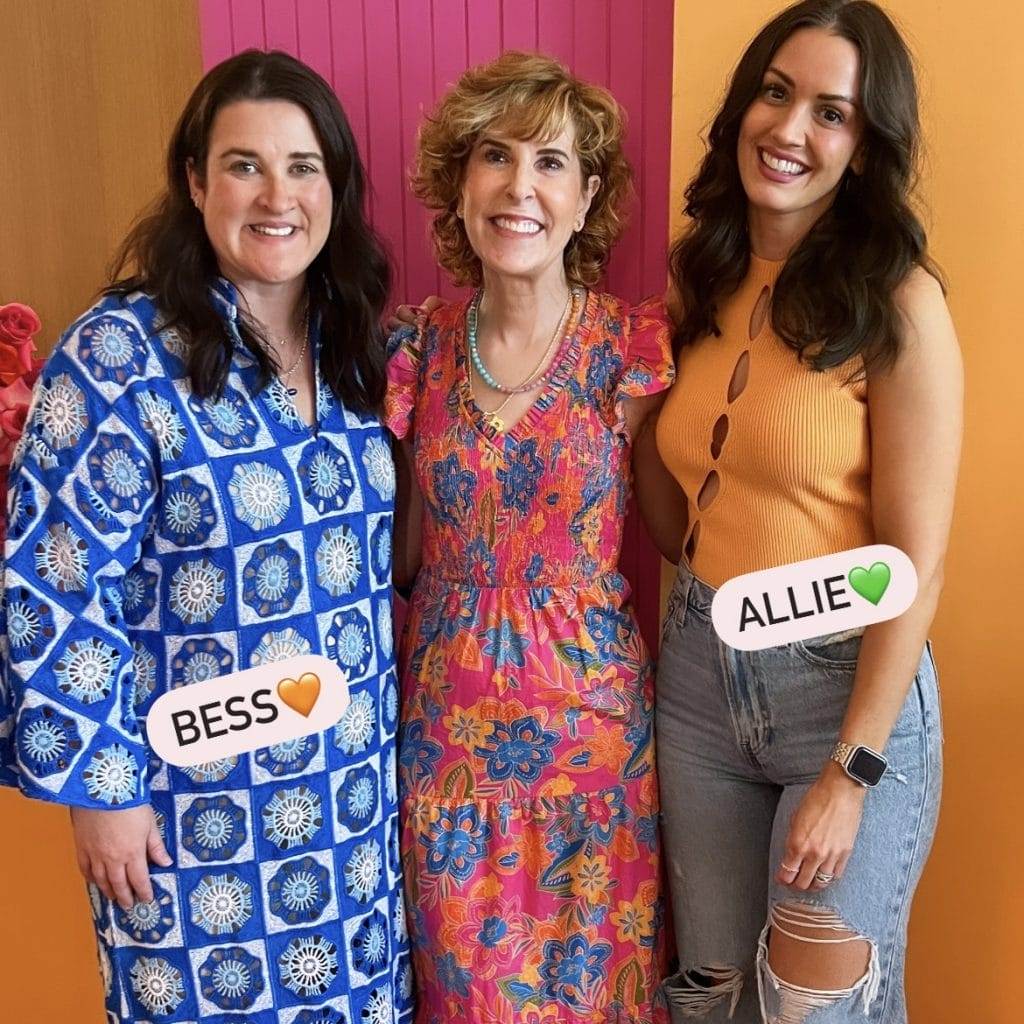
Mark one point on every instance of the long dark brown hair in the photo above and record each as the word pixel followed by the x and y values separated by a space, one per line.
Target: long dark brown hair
pixel 171 258
pixel 835 293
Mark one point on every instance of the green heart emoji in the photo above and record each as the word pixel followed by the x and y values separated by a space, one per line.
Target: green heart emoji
pixel 871 583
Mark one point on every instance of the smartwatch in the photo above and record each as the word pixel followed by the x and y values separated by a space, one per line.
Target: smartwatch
pixel 862 764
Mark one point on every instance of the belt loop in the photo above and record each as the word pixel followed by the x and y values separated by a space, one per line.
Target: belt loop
pixel 679 597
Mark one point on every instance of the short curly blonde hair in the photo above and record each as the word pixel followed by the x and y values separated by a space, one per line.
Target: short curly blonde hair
pixel 526 96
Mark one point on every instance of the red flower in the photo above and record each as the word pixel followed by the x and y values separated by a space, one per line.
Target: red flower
pixel 18 325
pixel 14 402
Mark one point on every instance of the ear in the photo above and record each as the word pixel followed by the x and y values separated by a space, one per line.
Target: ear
pixel 589 191
pixel 857 161
pixel 196 183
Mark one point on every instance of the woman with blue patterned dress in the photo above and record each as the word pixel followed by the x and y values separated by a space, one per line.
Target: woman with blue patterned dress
pixel 203 487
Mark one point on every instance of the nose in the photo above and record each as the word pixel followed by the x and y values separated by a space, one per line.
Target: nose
pixel 521 182
pixel 277 193
pixel 790 127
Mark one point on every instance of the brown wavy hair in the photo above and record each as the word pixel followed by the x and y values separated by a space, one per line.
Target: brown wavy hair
pixel 835 296
pixel 171 258
pixel 526 96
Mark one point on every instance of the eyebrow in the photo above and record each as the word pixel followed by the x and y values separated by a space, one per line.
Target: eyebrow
pixel 833 96
pixel 489 140
pixel 250 154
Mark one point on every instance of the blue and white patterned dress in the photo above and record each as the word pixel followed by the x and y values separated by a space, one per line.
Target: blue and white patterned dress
pixel 155 540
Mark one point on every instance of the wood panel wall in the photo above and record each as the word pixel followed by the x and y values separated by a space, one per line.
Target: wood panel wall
pixel 88 95
pixel 390 61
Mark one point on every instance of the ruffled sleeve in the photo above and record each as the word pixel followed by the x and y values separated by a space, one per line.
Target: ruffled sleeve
pixel 404 371
pixel 648 366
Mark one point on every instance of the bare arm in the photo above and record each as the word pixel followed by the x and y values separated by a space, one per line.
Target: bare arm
pixel 916 415
pixel 659 497
pixel 408 511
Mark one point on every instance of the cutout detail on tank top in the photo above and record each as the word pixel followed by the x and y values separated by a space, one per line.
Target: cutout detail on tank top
pixel 759 314
pixel 740 375
pixel 691 543
pixel 708 491
pixel 719 432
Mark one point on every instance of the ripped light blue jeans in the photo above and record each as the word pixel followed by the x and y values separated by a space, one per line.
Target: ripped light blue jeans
pixel 741 735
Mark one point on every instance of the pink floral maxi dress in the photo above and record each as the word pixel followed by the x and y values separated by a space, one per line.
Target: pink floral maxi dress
pixel 530 801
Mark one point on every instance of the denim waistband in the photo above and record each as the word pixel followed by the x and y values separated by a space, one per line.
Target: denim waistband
pixel 692 591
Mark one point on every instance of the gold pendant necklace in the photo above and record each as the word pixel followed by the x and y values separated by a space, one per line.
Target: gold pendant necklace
pixel 538 376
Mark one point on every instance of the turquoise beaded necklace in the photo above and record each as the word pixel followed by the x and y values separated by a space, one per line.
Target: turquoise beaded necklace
pixel 535 378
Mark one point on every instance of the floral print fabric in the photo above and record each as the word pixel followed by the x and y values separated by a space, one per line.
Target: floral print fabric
pixel 530 840
pixel 159 540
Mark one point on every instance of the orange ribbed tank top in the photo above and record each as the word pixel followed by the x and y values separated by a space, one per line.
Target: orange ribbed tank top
pixel 774 456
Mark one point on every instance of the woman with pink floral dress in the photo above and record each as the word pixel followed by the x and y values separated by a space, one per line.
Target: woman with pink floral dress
pixel 530 837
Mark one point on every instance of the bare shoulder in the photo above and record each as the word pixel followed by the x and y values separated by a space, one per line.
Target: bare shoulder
pixel 929 359
pixel 927 325
pixel 921 300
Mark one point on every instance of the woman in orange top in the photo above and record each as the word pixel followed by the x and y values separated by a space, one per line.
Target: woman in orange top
pixel 817 409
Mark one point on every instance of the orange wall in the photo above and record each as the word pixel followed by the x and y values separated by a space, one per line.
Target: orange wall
pixel 966 935
pixel 88 95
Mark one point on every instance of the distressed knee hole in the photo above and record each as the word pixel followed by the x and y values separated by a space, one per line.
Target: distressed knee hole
pixel 697 991
pixel 809 958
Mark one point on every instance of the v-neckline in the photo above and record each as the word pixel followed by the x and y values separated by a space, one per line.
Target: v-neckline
pixel 568 357
pixel 297 422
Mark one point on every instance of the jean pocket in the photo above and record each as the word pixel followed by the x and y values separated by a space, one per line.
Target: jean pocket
pixel 838 651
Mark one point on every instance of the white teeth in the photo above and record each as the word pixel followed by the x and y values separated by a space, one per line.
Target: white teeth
pixel 521 227
pixel 785 166
pixel 260 229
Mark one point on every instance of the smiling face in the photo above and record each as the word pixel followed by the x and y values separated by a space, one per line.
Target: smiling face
pixel 521 201
pixel 264 193
pixel 801 132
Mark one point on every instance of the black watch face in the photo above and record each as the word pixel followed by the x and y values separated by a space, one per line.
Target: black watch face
pixel 866 766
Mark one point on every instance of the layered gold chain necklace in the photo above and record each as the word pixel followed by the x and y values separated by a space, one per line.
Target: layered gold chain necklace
pixel 541 373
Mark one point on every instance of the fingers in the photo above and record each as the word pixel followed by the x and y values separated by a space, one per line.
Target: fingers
pixel 117 879
pixel 137 872
pixel 799 862
pixel 826 873
pixel 788 869
pixel 430 303
pixel 156 850
pixel 805 878
pixel 800 869
pixel 405 315
pixel 99 877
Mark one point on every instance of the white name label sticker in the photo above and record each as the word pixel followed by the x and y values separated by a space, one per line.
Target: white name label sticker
pixel 243 711
pixel 847 590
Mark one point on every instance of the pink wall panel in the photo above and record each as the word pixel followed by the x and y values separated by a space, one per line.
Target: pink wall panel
pixel 390 60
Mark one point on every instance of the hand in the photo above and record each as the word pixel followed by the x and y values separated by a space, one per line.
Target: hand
pixel 405 315
pixel 112 847
pixel 822 830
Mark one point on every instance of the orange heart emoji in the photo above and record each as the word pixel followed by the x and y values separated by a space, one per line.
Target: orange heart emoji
pixel 302 695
